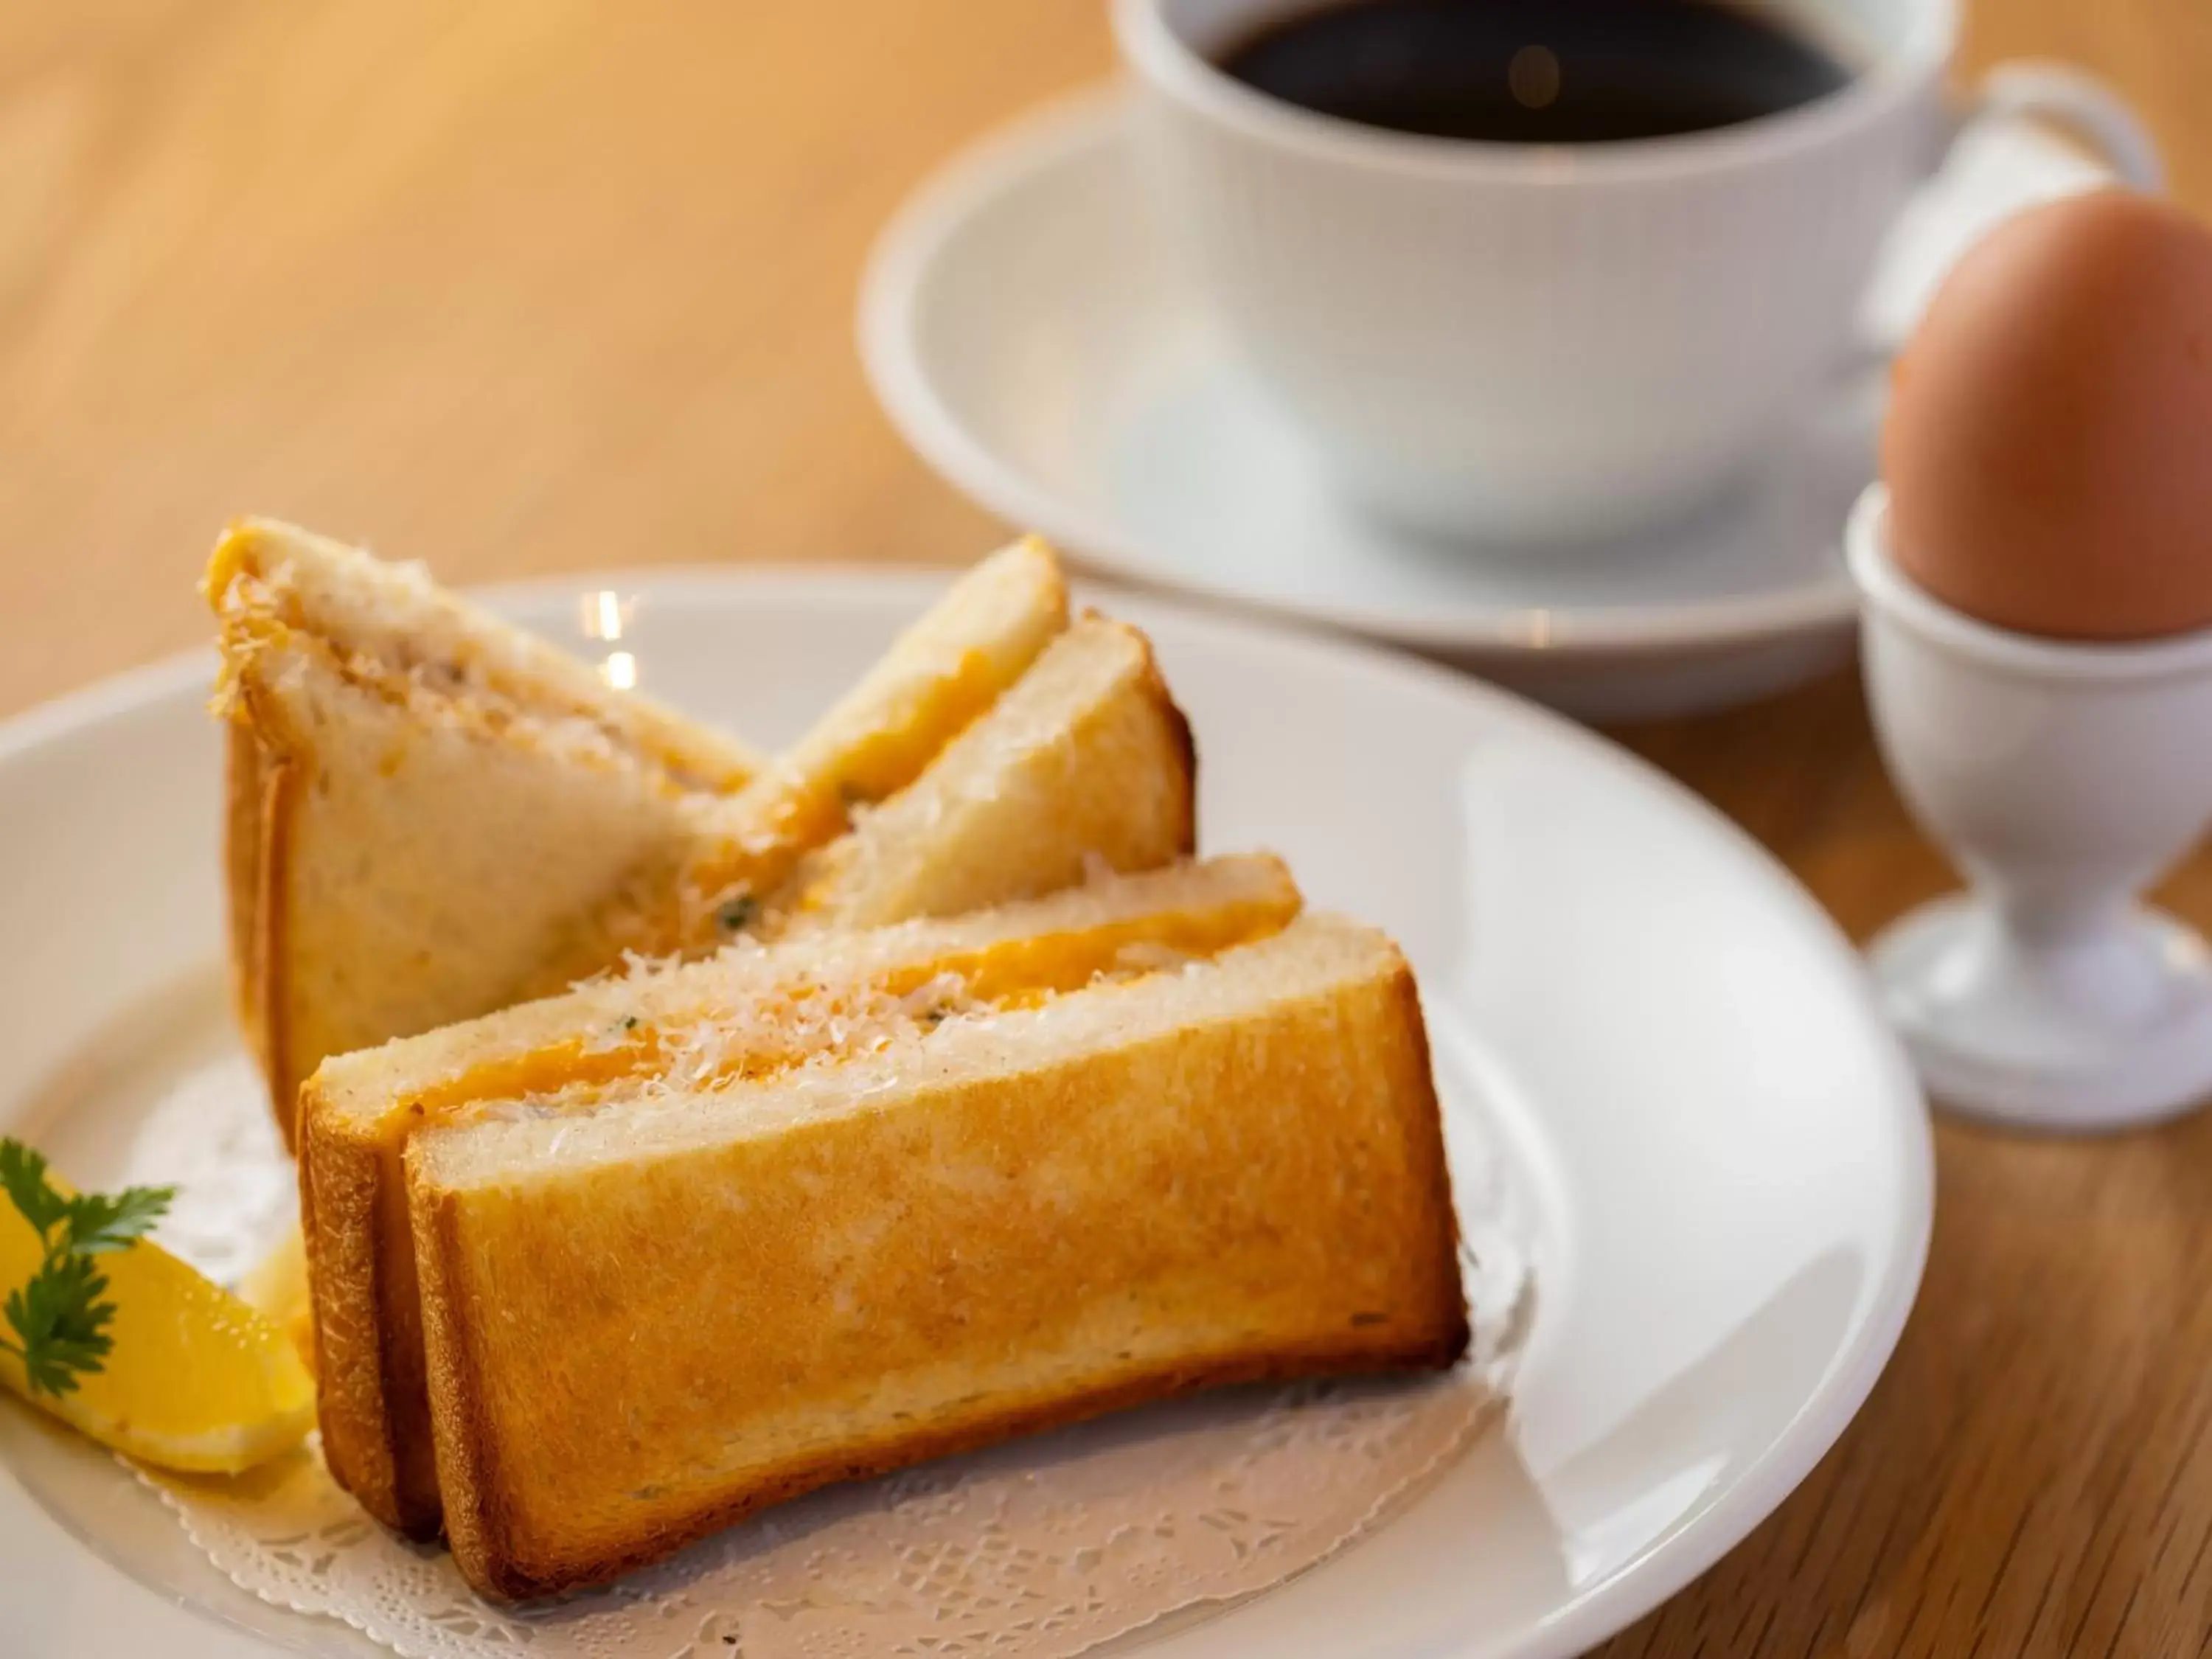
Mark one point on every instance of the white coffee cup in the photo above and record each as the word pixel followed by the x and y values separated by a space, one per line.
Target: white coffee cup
pixel 1504 344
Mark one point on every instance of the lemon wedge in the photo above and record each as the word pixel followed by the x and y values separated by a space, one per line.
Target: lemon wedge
pixel 197 1379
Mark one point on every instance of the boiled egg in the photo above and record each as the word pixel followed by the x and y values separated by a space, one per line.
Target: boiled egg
pixel 2048 445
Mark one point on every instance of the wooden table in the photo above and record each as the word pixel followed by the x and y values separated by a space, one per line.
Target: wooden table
pixel 552 285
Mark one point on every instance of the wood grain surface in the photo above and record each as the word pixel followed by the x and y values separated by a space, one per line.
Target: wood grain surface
pixel 550 285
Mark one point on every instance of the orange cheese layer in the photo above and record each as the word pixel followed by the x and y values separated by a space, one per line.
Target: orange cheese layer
pixel 1009 974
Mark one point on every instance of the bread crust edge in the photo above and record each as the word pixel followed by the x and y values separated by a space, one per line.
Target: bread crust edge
pixel 283 776
pixel 479 1533
pixel 1182 743
pixel 374 1414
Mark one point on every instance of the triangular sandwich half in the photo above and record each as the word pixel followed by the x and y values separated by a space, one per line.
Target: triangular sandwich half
pixel 656 1301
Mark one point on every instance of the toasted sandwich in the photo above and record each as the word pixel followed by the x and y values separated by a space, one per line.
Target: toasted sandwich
pixel 433 814
pixel 747 1010
pixel 656 1300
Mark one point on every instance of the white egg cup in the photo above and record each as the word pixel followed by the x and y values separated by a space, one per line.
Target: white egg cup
pixel 2063 779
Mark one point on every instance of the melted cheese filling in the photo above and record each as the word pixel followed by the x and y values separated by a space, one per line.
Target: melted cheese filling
pixel 626 1059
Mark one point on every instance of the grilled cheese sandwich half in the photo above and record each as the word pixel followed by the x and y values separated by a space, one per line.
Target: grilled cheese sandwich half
pixel 1017 1206
pixel 746 1010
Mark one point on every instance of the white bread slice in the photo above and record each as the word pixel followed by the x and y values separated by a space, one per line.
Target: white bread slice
pixel 940 674
pixel 1226 1171
pixel 417 793
pixel 1086 763
pixel 749 1008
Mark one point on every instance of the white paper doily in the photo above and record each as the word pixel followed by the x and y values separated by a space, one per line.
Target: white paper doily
pixel 1036 1550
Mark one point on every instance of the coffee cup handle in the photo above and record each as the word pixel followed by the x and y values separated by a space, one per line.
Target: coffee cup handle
pixel 2053 94
pixel 2075 101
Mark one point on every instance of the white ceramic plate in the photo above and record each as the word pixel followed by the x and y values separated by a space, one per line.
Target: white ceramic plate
pixel 1721 1158
pixel 1029 331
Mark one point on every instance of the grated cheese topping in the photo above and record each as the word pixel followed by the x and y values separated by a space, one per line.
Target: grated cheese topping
pixel 712 1049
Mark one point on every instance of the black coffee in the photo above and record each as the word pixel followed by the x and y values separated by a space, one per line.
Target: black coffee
pixel 1537 71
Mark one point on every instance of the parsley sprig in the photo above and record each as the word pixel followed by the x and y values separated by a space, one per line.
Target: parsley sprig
pixel 59 1316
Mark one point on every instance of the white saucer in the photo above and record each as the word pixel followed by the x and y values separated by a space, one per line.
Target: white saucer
pixel 1708 1142
pixel 1030 334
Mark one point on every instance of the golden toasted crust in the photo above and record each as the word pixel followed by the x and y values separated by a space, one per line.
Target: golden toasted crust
pixel 241 860
pixel 484 1548
pixel 800 1286
pixel 373 1413
pixel 257 787
pixel 271 958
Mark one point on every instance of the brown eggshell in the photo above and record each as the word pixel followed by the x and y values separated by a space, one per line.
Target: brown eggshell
pixel 2049 441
